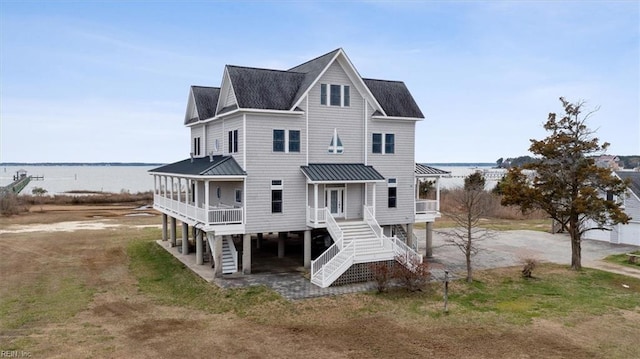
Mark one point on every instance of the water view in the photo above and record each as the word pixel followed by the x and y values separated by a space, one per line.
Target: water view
pixel 59 178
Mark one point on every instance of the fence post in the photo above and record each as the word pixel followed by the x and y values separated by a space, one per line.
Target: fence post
pixel 446 291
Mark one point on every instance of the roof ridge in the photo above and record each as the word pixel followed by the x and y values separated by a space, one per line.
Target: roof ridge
pixel 206 87
pixel 314 59
pixel 262 69
pixel 370 79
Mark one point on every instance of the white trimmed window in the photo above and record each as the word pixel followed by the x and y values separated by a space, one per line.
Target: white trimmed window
pixel 384 143
pixel 276 196
pixel 335 95
pixel 238 195
pixel 392 184
pixel 233 141
pixel 286 141
pixel 196 146
pixel 335 146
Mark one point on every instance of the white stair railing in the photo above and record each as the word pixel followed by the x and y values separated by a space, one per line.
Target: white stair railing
pixel 335 266
pixel 373 224
pixel 234 252
pixel 405 254
pixel 334 229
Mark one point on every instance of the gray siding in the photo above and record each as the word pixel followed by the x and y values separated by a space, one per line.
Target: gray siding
pixel 264 165
pixel 355 200
pixel 231 124
pixel 399 165
pixel 198 131
pixel 349 122
pixel 632 207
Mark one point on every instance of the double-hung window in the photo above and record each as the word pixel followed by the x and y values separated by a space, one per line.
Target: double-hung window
pixel 278 140
pixel 276 196
pixel 392 185
pixel 196 146
pixel 383 143
pixel 286 140
pixel 335 95
pixel 233 141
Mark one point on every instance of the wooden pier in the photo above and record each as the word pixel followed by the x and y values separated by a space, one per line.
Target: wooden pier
pixel 20 181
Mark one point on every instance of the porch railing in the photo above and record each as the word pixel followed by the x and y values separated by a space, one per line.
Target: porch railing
pixel 426 206
pixel 316 215
pixel 210 216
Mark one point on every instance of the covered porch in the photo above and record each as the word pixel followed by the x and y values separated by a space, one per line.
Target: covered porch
pixel 208 192
pixel 341 191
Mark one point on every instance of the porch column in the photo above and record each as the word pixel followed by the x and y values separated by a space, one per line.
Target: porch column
pixel 281 238
pixel 307 249
pixel 438 194
pixel 410 235
pixel 373 200
pixel 246 254
pixel 217 256
pixel 170 188
pixel 206 200
pixel 315 202
pixel 164 227
pixel 199 256
pixel 164 179
pixel 429 247
pixel 173 232
pixel 185 238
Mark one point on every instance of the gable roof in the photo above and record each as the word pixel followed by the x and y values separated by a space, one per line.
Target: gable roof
pixel 428 171
pixel 205 99
pixel 312 69
pixel 267 89
pixel 341 172
pixel 394 97
pixel 263 88
pixel 634 180
pixel 204 166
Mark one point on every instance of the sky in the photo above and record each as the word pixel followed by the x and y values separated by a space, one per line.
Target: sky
pixel 107 81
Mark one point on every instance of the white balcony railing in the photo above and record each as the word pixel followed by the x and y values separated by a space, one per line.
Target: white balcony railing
pixel 211 216
pixel 317 216
pixel 426 206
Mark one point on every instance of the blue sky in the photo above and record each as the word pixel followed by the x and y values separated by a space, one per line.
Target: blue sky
pixel 108 80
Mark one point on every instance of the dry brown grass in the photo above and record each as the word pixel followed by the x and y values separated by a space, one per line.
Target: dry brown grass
pixel 496 210
pixel 112 318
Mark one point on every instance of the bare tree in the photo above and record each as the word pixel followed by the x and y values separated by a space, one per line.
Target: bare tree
pixel 471 204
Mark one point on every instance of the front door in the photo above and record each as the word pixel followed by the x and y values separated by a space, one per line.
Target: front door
pixel 335 201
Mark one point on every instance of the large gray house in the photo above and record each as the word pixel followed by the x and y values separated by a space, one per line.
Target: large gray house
pixel 313 148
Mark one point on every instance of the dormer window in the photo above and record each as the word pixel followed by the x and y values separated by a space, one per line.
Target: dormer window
pixel 336 144
pixel 335 95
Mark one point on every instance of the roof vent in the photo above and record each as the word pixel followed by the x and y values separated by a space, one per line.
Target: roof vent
pixel 191 155
pixel 210 156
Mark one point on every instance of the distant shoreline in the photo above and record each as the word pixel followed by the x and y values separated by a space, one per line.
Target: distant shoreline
pixel 106 164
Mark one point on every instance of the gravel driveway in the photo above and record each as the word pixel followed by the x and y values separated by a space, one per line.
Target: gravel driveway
pixel 509 248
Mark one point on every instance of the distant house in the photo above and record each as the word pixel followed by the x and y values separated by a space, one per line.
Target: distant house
pixel 313 148
pixel 609 161
pixel 624 233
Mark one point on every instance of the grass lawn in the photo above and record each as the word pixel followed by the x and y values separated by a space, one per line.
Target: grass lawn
pixel 623 259
pixel 115 293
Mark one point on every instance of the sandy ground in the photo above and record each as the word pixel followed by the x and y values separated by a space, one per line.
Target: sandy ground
pixel 120 321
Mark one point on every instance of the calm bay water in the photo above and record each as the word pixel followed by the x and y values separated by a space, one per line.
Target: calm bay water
pixel 59 179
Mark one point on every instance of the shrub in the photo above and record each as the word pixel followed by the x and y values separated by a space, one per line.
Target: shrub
pixel 412 275
pixel 382 274
pixel 10 205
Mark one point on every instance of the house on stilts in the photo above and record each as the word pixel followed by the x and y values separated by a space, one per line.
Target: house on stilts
pixel 310 151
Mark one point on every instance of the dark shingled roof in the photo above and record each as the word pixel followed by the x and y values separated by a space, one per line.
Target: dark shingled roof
pixel 264 89
pixel 634 180
pixel 424 170
pixel 311 69
pixel 203 166
pixel 394 97
pixel 344 172
pixel 206 99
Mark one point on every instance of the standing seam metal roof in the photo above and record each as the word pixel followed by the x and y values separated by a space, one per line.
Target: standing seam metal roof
pixel 428 170
pixel 203 166
pixel 347 172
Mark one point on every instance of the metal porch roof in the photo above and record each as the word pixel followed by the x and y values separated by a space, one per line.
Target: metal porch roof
pixel 204 166
pixel 341 172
